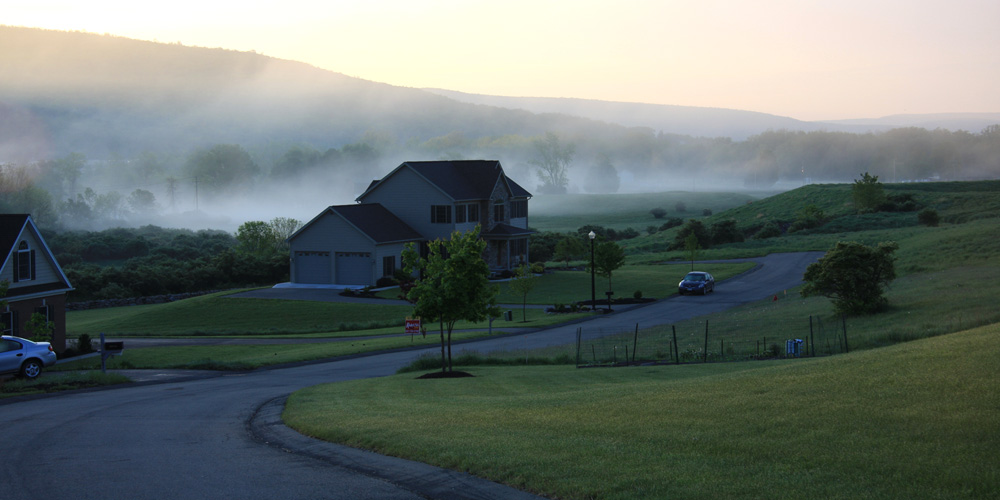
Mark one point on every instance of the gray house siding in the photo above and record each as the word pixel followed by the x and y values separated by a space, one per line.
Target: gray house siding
pixel 410 197
pixel 45 271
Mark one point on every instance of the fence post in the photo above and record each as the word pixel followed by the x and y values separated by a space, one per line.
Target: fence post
pixel 812 340
pixel 705 353
pixel 843 323
pixel 677 357
pixel 578 346
pixel 635 342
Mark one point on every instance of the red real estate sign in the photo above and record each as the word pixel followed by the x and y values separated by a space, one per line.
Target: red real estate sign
pixel 413 326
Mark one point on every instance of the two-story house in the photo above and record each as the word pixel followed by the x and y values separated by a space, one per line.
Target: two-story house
pixel 419 201
pixel 35 282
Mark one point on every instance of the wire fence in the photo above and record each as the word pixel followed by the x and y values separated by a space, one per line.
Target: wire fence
pixel 710 340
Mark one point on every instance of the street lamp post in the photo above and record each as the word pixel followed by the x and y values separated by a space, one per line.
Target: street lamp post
pixel 593 296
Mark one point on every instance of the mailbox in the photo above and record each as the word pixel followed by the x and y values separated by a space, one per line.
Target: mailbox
pixel 114 347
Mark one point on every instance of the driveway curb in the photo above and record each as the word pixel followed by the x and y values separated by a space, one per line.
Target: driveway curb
pixel 265 425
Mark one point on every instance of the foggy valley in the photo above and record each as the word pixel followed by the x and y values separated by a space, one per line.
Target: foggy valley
pixel 101 131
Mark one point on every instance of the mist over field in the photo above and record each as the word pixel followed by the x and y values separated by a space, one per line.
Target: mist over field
pixel 101 131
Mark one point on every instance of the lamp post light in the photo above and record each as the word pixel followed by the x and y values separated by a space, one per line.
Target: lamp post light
pixel 593 296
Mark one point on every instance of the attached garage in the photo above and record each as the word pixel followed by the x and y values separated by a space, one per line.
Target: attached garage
pixel 313 267
pixel 348 245
pixel 354 268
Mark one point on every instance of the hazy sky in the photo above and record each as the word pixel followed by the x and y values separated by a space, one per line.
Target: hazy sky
pixel 810 60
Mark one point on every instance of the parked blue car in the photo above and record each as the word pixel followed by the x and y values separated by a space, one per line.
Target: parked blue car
pixel 696 282
pixel 23 357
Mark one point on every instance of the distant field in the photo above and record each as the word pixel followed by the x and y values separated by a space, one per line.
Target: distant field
pixel 565 213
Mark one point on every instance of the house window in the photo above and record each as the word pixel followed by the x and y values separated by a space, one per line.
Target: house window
pixel 388 265
pixel 518 209
pixel 498 211
pixel 460 214
pixel 24 263
pixel 441 214
pixel 9 320
pixel 474 212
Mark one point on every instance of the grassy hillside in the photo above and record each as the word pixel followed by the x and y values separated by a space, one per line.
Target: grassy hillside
pixel 915 420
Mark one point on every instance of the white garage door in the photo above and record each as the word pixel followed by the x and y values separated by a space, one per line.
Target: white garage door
pixel 313 267
pixel 354 268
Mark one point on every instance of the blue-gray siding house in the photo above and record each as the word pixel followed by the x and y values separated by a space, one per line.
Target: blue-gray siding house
pixel 417 202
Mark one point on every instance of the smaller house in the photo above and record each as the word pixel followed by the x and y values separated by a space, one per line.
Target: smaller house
pixel 419 201
pixel 36 283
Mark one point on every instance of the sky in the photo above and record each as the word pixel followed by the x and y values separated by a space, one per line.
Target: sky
pixel 810 60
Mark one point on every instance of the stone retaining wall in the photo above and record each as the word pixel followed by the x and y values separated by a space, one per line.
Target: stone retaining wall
pixel 132 301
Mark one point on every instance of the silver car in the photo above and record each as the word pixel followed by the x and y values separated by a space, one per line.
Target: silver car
pixel 24 357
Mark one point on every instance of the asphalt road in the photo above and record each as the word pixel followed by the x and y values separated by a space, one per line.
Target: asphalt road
pixel 221 437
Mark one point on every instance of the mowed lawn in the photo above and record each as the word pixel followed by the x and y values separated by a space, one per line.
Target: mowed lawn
pixel 914 420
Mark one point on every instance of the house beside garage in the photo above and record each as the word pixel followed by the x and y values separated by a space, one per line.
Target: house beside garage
pixel 35 282
pixel 418 202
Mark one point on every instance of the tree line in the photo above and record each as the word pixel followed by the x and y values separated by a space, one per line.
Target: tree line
pixel 77 192
pixel 151 260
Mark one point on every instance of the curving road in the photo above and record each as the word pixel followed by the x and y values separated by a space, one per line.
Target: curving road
pixel 221 436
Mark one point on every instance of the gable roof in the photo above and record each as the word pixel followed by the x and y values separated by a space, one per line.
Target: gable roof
pixel 12 227
pixel 371 219
pixel 460 179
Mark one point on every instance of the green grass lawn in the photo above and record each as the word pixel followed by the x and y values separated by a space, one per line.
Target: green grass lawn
pixel 248 357
pixel 914 420
pixel 55 382
pixel 218 316
pixel 654 280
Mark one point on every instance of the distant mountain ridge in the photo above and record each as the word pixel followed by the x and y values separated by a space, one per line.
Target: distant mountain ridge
pixel 716 122
pixel 102 95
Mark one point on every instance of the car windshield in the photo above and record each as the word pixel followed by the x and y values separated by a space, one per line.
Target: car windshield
pixel 694 277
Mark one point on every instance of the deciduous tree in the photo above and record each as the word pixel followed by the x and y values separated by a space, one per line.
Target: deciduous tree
pixel 454 284
pixel 868 193
pixel 569 248
pixel 608 258
pixel 551 160
pixel 523 283
pixel 854 276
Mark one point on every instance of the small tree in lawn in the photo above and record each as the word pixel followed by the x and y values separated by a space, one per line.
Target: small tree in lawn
pixel 608 257
pixel 524 281
pixel 454 284
pixel 854 276
pixel 569 248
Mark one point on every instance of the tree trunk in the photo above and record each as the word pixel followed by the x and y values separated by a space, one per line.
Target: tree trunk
pixel 449 348
pixel 444 365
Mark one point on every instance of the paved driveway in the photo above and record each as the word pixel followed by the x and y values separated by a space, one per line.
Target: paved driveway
pixel 221 437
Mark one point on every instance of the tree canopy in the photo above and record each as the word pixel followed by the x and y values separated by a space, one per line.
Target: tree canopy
pixel 854 276
pixel 551 160
pixel 454 284
pixel 608 258
pixel 868 193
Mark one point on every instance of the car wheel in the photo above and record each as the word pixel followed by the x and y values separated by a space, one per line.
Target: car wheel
pixel 31 369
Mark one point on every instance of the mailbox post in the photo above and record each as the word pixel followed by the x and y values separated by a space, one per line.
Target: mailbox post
pixel 109 349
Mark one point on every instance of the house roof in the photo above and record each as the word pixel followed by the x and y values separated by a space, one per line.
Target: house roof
pixel 373 220
pixel 11 226
pixel 460 179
